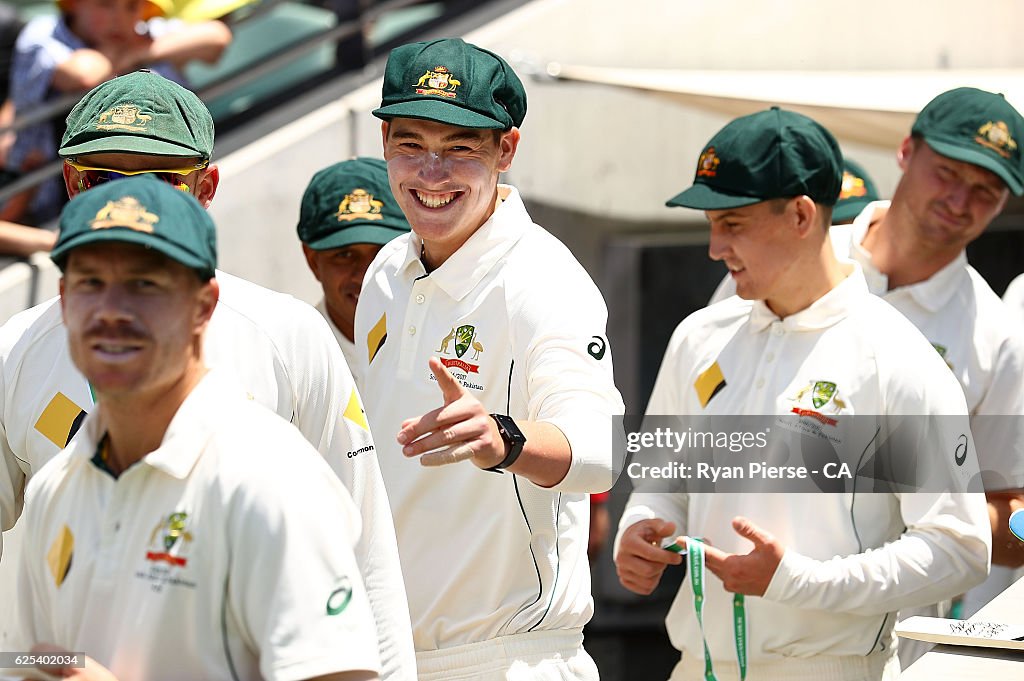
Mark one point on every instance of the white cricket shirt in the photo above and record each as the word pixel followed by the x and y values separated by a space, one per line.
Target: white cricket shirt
pixel 851 560
pixel 521 325
pixel 205 560
pixel 280 350
pixel 348 348
pixel 973 332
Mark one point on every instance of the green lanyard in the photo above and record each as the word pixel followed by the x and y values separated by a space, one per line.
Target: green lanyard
pixel 695 553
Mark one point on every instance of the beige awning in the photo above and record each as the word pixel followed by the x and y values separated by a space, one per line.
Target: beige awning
pixel 870 107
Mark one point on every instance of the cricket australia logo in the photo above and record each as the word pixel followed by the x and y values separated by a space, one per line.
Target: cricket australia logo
pixel 123 117
pixel 465 340
pixel 707 164
pixel 440 82
pixel 853 186
pixel 167 554
pixel 125 212
pixel 171 539
pixel 359 205
pixel 818 400
pixel 996 136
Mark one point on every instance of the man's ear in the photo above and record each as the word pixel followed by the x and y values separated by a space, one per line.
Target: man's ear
pixel 311 260
pixel 208 295
pixel 207 186
pixel 384 127
pixel 805 215
pixel 905 152
pixel 507 146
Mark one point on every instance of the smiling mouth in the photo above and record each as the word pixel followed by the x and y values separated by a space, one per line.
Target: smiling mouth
pixel 115 350
pixel 435 200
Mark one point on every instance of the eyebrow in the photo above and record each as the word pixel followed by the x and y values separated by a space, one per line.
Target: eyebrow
pixel 459 136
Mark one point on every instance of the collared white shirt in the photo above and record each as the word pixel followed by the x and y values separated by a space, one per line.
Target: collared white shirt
pixel 974 333
pixel 348 348
pixel 207 559
pixel 276 347
pixel 830 595
pixel 521 325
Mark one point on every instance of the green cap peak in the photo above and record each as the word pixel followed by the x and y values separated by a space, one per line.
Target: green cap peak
pixel 453 82
pixel 140 210
pixel 350 203
pixel 139 113
pixel 771 154
pixel 977 127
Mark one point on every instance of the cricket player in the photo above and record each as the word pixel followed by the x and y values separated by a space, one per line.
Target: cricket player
pixel 488 381
pixel 347 214
pixel 167 540
pixel 278 348
pixel 822 575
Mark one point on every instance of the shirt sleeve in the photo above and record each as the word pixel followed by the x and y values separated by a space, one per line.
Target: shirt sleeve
pixel 664 400
pixel 560 331
pixel 329 413
pixel 12 477
pixel 998 420
pixel 305 607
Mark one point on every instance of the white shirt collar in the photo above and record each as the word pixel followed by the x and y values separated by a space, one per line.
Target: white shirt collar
pixel 464 269
pixel 932 293
pixel 186 435
pixel 826 311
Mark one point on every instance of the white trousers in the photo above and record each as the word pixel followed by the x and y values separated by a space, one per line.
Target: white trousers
pixel 877 667
pixel 536 656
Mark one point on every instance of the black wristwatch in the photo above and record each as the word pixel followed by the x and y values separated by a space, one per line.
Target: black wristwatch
pixel 513 438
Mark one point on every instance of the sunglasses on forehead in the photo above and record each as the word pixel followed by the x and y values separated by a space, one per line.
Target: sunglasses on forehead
pixel 90 176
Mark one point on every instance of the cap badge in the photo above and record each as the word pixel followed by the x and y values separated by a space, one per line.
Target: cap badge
pixel 996 136
pixel 359 205
pixel 125 212
pixel 123 117
pixel 437 82
pixel 853 187
pixel 707 164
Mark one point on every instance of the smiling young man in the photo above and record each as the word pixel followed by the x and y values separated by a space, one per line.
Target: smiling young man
pixel 347 214
pixel 167 541
pixel 280 349
pixel 822 574
pixel 488 381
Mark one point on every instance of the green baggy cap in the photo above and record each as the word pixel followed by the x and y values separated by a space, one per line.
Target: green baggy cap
pixel 453 82
pixel 858 191
pixel 140 210
pixel 139 113
pixel 771 154
pixel 350 203
pixel 977 127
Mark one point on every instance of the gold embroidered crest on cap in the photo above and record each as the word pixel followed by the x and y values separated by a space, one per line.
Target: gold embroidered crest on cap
pixel 853 186
pixel 360 204
pixel 996 136
pixel 125 212
pixel 123 117
pixel 707 164
pixel 437 82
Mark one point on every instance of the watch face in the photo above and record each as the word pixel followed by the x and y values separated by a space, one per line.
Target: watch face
pixel 508 429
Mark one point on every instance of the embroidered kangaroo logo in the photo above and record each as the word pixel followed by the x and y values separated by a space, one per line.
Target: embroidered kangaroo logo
pixel 446 340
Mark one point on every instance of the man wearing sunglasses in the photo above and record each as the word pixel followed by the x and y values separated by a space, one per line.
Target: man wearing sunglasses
pixel 279 349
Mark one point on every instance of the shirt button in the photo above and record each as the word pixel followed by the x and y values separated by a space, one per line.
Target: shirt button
pixel 420 298
pixel 759 384
pixel 769 357
pixel 412 330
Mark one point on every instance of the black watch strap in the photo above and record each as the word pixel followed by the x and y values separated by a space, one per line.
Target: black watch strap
pixel 513 438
